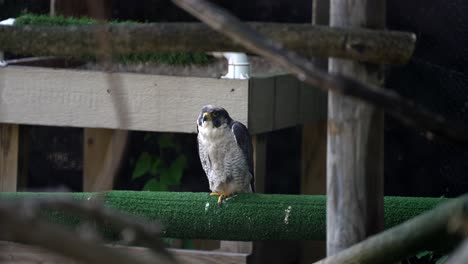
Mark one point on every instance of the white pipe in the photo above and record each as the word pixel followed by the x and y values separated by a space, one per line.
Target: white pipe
pixel 238 65
pixel 6 22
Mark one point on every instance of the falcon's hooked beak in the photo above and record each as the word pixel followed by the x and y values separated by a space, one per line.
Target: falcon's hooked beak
pixel 207 117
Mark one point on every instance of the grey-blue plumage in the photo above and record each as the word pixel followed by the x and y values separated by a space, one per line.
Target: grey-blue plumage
pixel 226 152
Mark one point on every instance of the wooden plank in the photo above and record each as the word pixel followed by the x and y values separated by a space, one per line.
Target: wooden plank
pixel 314 158
pixel 96 144
pixel 261 104
pixel 58 97
pixel 286 101
pixel 355 141
pixel 236 246
pixel 313 104
pixel 8 157
pixel 20 253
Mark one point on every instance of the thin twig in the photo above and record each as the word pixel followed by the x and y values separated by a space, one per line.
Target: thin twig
pixel 401 108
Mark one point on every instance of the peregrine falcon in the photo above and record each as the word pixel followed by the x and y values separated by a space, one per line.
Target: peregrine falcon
pixel 226 153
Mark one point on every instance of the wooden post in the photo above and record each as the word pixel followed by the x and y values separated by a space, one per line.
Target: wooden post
pixel 355 140
pixel 96 144
pixel 8 157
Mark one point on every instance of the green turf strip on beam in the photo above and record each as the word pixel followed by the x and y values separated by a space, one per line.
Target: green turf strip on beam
pixel 170 58
pixel 243 217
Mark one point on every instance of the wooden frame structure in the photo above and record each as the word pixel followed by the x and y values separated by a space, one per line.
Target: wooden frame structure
pixel 37 95
pixel 170 104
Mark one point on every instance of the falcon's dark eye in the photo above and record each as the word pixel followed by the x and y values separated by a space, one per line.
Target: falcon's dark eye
pixel 215 114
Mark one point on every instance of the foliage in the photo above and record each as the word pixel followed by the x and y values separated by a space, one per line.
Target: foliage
pixel 163 173
pixel 426 257
pixel 170 58
pixel 44 20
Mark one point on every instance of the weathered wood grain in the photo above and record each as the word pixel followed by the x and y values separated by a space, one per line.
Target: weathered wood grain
pixel 96 143
pixel 75 98
pixel 8 157
pixel 287 106
pixel 78 98
pixel 355 140
pixel 261 104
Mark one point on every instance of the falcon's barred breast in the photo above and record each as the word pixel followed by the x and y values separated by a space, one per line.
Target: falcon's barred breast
pixel 226 152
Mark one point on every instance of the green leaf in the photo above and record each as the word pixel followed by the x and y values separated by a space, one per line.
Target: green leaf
pixel 442 260
pixel 188 244
pixel 151 185
pixel 165 141
pixel 166 177
pixel 156 167
pixel 423 254
pixel 143 165
pixel 173 174
pixel 155 186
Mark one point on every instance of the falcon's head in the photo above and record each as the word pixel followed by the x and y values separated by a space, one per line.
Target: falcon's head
pixel 213 117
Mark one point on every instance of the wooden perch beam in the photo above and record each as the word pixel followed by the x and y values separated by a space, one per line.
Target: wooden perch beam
pixel 387 47
pixel 246 217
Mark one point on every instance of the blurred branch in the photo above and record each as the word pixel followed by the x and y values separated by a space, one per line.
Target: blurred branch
pixel 423 232
pixel 20 222
pixel 389 47
pixel 136 230
pixel 460 255
pixel 399 107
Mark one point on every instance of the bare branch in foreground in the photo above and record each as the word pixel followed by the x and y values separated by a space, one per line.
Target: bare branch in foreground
pixel 427 231
pixel 402 109
pixel 136 231
pixel 389 47
pixel 20 222
pixel 460 255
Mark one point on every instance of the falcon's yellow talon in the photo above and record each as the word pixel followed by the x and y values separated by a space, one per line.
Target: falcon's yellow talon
pixel 221 196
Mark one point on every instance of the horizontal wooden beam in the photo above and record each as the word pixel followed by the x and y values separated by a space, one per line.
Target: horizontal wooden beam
pixel 20 253
pixel 78 98
pixel 45 96
pixel 387 47
pixel 246 217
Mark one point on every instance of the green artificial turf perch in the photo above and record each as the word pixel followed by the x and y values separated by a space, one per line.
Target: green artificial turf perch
pixel 170 58
pixel 245 217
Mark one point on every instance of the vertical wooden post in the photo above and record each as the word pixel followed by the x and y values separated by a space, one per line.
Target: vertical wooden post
pixel 8 157
pixel 96 144
pixel 355 140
